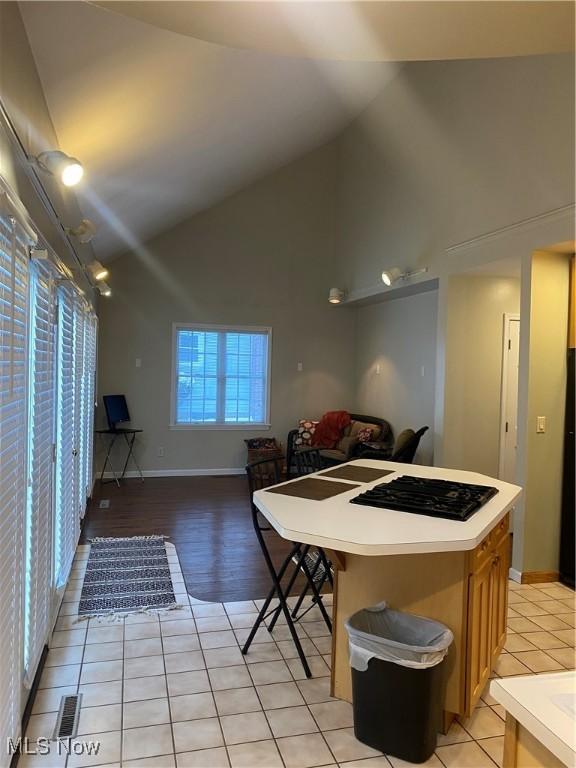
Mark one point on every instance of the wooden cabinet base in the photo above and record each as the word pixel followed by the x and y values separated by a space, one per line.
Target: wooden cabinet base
pixel 523 750
pixel 441 586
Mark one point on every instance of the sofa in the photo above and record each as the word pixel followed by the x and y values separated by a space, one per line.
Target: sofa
pixel 349 446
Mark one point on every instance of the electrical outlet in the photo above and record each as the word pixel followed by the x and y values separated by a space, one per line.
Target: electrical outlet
pixel 104 504
pixel 161 452
pixel 540 424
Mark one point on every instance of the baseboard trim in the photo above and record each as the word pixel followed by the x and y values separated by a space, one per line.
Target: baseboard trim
pixel 515 575
pixel 180 472
pixel 539 577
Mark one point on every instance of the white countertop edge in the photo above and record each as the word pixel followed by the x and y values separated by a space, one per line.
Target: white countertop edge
pixel 411 548
pixel 564 752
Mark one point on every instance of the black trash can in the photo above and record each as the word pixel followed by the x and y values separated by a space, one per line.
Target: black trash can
pixel 398 680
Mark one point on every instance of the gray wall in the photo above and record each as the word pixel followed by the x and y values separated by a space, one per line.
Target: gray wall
pixel 398 339
pixel 23 98
pixel 262 257
pixel 449 151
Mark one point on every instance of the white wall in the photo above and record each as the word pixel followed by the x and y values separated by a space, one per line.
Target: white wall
pixel 473 358
pixel 399 337
pixel 262 257
pixel 449 151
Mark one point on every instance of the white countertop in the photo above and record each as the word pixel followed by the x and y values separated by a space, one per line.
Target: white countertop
pixel 544 705
pixel 336 524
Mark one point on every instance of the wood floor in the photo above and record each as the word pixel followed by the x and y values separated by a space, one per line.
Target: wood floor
pixel 208 519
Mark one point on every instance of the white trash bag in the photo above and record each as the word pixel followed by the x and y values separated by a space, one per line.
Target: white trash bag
pixel 402 638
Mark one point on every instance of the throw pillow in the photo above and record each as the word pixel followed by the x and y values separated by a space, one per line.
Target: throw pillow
pixel 306 428
pixel 365 435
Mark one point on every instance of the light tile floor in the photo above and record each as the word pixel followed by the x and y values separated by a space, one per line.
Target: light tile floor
pixel 174 691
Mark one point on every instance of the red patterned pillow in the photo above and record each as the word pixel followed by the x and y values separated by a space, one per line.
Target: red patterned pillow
pixel 365 435
pixel 306 428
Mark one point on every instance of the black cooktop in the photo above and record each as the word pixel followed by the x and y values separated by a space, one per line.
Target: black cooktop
pixel 425 496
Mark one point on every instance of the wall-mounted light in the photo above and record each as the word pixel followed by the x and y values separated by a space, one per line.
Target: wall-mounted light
pixel 104 289
pixel 97 271
pixel 391 276
pixel 85 231
pixel 335 296
pixel 68 169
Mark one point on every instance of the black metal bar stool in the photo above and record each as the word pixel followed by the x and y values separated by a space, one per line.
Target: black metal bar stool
pixel 263 474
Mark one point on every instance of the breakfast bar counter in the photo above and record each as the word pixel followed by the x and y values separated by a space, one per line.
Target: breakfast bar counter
pixel 450 570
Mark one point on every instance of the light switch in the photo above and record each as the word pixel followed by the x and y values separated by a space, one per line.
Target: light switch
pixel 138 362
pixel 378 368
pixel 540 424
pixel 300 367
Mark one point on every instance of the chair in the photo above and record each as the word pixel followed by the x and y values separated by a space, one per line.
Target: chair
pixel 319 567
pixel 307 461
pixel 406 445
pixel 263 474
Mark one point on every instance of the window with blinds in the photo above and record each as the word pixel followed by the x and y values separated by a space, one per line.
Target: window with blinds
pixel 38 529
pixel 221 376
pixel 67 477
pixel 13 460
pixel 88 395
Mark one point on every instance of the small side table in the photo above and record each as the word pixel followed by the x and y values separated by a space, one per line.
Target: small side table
pixel 129 436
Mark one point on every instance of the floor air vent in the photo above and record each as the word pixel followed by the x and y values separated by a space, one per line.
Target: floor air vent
pixel 67 720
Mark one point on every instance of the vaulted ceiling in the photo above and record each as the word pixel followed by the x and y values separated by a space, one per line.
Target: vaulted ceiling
pixel 167 125
pixel 173 106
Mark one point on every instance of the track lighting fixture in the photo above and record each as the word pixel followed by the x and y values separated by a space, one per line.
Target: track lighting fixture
pixel 104 289
pixel 391 276
pixel 67 169
pixel 85 231
pixel 97 271
pixel 335 296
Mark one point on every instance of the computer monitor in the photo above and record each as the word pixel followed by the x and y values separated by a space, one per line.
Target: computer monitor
pixel 116 410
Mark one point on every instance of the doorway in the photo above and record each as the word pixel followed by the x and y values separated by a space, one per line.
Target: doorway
pixel 509 398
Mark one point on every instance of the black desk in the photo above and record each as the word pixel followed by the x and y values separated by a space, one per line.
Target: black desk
pixel 129 436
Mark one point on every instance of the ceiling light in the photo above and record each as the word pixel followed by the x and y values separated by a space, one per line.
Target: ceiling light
pixel 67 169
pixel 97 270
pixel 85 231
pixel 391 276
pixel 104 289
pixel 335 295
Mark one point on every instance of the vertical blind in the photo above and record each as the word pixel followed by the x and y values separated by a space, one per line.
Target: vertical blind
pixel 47 380
pixel 67 480
pixel 39 529
pixel 89 399
pixel 13 415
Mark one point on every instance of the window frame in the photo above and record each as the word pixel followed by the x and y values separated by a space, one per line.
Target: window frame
pixel 247 426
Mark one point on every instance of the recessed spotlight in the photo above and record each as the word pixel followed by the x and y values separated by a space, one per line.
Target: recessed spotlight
pixel 68 169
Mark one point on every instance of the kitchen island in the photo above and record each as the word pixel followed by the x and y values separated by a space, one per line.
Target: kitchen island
pixel 450 570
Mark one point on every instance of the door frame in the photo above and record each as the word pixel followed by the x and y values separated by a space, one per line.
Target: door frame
pixel 508 318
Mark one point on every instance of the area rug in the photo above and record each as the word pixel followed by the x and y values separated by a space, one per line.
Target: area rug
pixel 126 575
